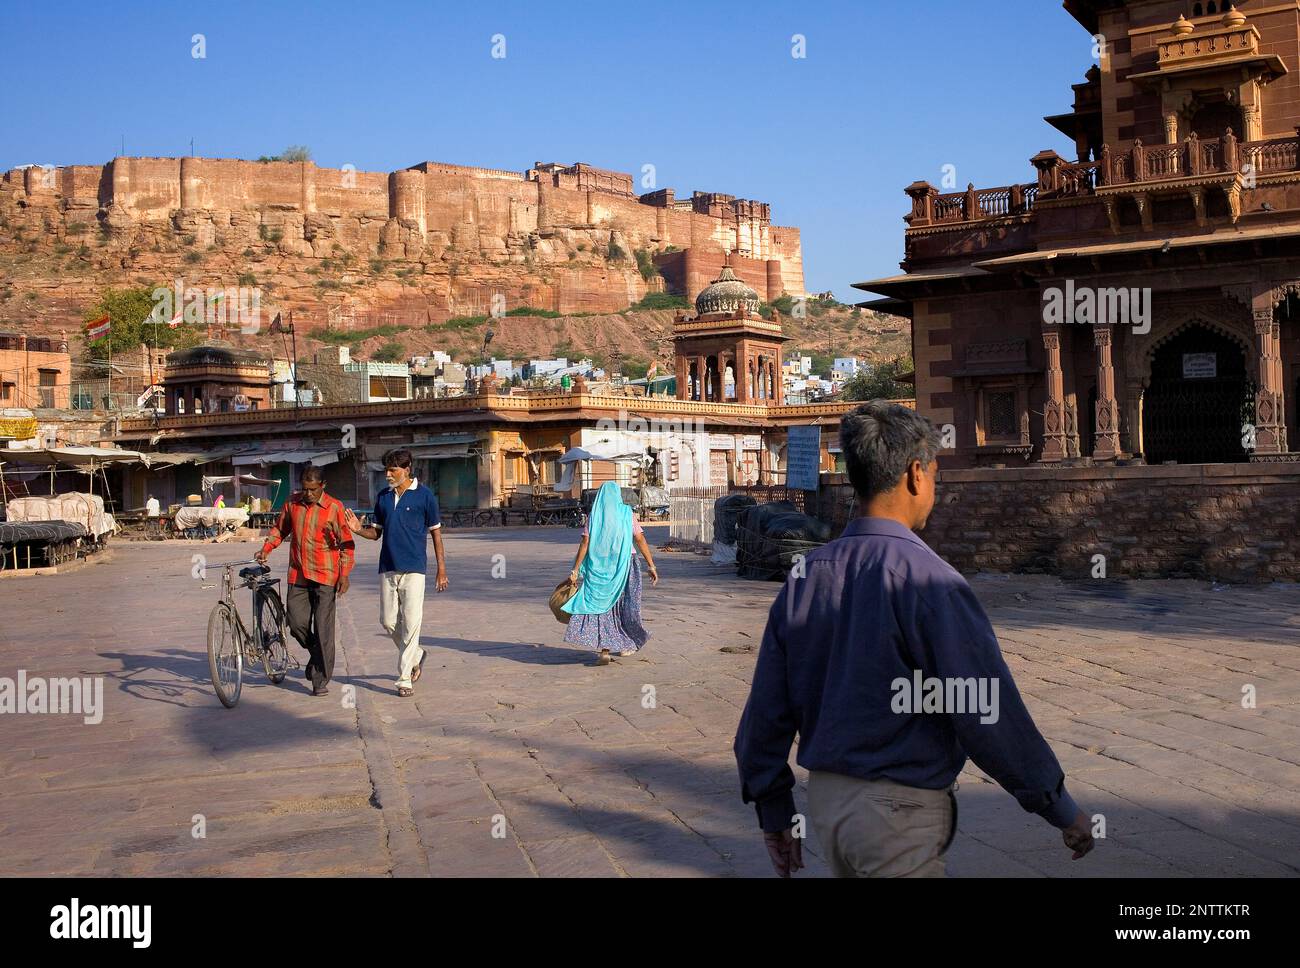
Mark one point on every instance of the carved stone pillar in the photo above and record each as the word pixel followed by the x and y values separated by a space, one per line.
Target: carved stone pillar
pixel 1171 128
pixel 683 377
pixel 1106 445
pixel 1253 128
pixel 1072 429
pixel 1130 437
pixel 1054 428
pixel 1270 403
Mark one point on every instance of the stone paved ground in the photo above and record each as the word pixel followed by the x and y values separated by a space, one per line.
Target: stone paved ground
pixel 1138 686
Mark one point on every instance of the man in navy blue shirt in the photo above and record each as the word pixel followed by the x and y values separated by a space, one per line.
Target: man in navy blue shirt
pixel 879 656
pixel 405 513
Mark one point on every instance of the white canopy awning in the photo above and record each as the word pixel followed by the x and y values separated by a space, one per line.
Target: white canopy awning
pixel 581 453
pixel 210 482
pixel 80 457
pixel 318 458
pixel 197 457
pixel 436 446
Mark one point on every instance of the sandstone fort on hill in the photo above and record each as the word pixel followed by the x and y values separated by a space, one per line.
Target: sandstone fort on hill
pixel 354 249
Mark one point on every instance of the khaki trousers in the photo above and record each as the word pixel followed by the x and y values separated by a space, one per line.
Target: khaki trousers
pixel 879 828
pixel 401 610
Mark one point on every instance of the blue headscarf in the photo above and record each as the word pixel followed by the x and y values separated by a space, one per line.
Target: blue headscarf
pixel 609 554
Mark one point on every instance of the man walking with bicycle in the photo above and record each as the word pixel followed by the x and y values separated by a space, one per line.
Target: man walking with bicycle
pixel 320 559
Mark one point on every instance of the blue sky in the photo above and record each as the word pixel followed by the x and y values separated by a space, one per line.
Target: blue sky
pixel 890 91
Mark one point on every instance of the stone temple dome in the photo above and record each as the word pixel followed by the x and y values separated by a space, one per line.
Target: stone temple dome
pixel 727 294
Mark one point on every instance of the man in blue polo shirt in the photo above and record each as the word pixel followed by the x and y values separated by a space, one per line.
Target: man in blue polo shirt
pixel 405 512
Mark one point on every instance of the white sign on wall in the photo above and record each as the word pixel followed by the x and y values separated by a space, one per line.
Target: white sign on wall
pixel 1200 366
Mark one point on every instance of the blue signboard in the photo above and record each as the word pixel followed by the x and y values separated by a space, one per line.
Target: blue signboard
pixel 803 457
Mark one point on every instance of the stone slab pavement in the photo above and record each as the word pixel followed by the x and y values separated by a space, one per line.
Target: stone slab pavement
pixel 517 757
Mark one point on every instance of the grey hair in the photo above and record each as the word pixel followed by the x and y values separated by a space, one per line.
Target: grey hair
pixel 880 440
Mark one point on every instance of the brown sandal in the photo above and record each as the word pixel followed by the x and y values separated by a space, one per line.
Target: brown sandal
pixel 419 667
pixel 603 658
pixel 405 691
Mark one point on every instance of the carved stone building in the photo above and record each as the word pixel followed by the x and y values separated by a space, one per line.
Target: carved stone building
pixel 727 343
pixel 1141 299
pixel 216 377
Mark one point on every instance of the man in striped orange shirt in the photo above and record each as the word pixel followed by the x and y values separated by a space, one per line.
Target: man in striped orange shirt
pixel 320 560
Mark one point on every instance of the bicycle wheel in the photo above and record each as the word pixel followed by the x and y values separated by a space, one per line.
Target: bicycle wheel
pixel 275 634
pixel 225 657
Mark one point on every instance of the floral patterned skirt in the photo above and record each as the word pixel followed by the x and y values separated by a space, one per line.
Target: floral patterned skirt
pixel 620 629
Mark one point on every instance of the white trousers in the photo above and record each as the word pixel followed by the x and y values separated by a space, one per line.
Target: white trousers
pixel 401 610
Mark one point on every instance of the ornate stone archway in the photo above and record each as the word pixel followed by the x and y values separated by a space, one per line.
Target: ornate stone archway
pixel 1223 316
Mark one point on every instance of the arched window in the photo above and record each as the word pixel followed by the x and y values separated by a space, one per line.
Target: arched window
pixel 1196 10
pixel 1210 8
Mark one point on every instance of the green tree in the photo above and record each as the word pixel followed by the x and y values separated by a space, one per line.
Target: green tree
pixel 389 353
pixel 129 311
pixel 291 153
pixel 784 304
pixel 645 262
pixel 881 382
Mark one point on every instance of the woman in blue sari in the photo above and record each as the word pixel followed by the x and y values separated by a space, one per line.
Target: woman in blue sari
pixel 607 608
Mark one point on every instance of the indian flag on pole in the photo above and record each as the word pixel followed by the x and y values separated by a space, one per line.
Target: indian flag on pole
pixel 98 327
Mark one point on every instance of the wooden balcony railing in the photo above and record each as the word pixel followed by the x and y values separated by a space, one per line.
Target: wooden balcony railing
pixel 1141 165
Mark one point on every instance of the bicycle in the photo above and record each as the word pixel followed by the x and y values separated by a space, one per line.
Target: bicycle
pixel 230 643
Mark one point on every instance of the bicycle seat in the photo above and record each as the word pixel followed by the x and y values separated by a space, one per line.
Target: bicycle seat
pixel 256 571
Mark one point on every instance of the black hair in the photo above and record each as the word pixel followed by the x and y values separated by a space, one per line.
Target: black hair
pixel 880 440
pixel 400 457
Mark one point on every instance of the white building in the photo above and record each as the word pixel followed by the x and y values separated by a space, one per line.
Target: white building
pixel 381 382
pixel 845 367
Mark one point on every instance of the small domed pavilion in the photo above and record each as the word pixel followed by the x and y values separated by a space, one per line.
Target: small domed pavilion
pixel 727 333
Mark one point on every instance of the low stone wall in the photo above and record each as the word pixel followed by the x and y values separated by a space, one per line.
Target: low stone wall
pixel 1228 522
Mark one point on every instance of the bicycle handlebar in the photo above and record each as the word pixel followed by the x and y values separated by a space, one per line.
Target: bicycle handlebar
pixel 236 564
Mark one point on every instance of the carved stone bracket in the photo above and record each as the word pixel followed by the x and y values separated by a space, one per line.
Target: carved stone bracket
pixel 1280 293
pixel 1112 213
pixel 1143 202
pixel 1198 202
pixel 1233 192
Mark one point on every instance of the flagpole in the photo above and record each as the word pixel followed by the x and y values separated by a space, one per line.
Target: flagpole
pixel 153 354
pixel 293 369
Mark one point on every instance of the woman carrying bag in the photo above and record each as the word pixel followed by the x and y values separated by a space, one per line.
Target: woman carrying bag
pixel 606 611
